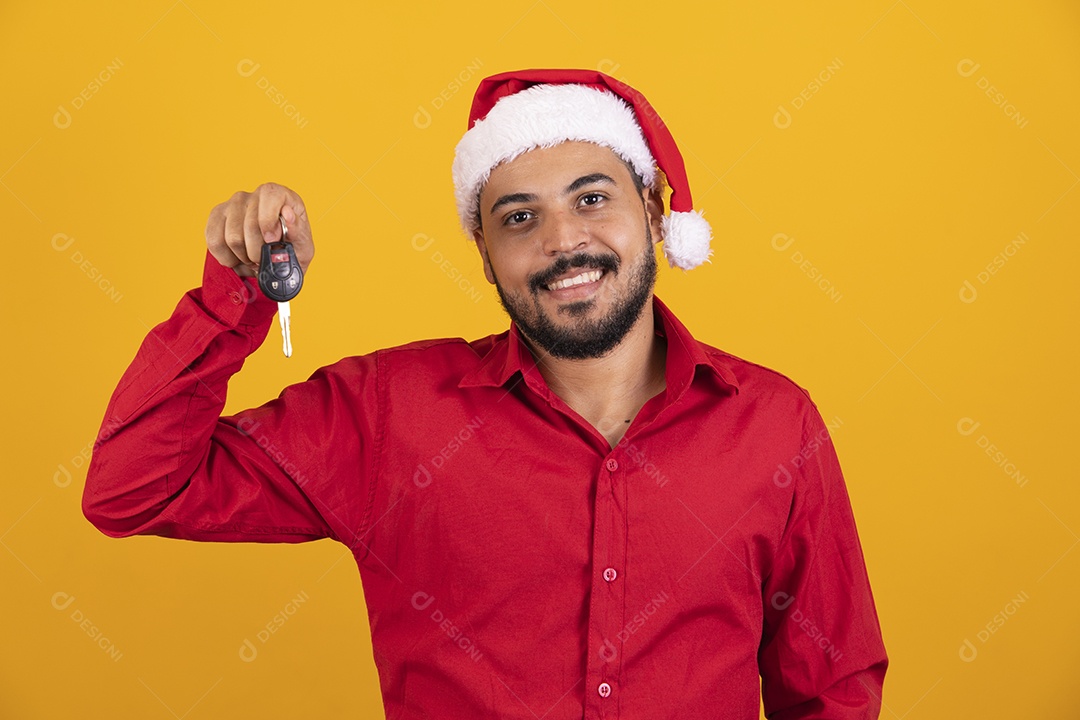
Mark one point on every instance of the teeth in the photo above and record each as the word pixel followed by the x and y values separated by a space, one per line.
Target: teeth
pixel 585 277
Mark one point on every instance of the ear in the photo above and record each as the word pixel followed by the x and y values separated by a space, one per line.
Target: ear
pixel 478 238
pixel 654 212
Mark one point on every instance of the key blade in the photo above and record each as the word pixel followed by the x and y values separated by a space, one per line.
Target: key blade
pixel 286 345
pixel 284 317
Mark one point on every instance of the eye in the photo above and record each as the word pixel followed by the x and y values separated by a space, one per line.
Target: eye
pixel 517 217
pixel 591 198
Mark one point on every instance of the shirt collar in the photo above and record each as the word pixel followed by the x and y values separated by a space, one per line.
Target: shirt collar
pixel 509 354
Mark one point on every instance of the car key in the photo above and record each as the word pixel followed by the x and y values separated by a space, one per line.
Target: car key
pixel 280 279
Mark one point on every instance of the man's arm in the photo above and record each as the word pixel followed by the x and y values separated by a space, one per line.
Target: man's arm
pixel 822 654
pixel 166 463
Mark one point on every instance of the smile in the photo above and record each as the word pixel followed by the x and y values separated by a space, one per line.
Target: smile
pixel 581 279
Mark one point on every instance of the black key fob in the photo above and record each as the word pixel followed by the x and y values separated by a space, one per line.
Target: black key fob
pixel 280 276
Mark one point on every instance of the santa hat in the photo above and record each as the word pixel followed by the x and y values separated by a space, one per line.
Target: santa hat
pixel 515 112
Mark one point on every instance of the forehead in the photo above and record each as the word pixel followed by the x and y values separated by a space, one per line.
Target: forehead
pixel 569 159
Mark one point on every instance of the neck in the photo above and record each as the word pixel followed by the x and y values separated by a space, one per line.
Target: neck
pixel 608 391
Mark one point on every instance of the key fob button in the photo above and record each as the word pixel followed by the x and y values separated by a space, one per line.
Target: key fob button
pixel 280 276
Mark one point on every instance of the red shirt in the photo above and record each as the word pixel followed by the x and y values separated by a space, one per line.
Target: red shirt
pixel 514 565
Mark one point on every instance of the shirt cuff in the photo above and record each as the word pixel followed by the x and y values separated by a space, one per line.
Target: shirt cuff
pixel 231 299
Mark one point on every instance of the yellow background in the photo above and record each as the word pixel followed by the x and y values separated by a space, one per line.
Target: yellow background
pixel 898 180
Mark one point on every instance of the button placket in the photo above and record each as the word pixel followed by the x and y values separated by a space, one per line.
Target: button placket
pixel 607 604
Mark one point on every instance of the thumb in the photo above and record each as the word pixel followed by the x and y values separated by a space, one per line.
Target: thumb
pixel 299 234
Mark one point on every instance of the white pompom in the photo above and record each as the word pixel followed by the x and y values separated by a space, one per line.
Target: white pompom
pixel 686 239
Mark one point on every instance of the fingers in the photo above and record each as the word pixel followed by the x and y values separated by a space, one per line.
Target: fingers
pixel 253 234
pixel 238 228
pixel 224 236
pixel 296 219
pixel 272 200
pixel 282 202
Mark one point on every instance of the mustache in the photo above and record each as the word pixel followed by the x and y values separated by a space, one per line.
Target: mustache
pixel 538 281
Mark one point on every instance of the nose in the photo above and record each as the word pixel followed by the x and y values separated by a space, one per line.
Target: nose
pixel 563 233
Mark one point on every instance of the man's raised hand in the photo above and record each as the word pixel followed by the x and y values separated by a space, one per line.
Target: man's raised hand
pixel 238 227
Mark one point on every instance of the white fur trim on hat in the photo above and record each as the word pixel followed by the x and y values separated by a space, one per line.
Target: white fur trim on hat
pixel 544 116
pixel 686 239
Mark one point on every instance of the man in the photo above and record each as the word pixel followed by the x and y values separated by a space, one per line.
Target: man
pixel 591 514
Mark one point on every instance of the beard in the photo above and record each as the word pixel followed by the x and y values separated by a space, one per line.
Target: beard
pixel 586 338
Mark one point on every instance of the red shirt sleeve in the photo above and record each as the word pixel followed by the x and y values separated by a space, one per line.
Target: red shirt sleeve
pixel 822 654
pixel 166 463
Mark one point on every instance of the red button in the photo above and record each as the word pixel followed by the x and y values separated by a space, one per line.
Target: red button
pixel 612 464
pixel 610 574
pixel 236 298
pixel 604 689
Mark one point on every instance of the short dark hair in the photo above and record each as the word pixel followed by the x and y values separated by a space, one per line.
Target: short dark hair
pixel 639 182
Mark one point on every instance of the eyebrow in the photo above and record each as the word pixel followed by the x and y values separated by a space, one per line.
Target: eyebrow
pixel 572 187
pixel 588 180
